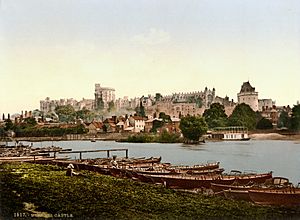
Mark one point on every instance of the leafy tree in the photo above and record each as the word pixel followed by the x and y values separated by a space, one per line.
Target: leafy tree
pixel 66 113
pixel 164 117
pixel 140 111
pixel 84 114
pixel 215 116
pixel 2 132
pixel 295 119
pixel 156 124
pixel 99 104
pixel 264 124
pixel 111 106
pixel 8 125
pixel 243 115
pixel 30 122
pixel 158 97
pixel 284 120
pixel 192 128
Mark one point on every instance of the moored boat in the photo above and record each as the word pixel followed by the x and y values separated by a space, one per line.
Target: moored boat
pixel 208 166
pixel 244 179
pixel 237 194
pixel 191 181
pixel 278 197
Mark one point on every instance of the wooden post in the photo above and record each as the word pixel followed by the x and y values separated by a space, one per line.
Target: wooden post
pixel 107 153
pixel 126 153
pixel 80 155
pixel 54 155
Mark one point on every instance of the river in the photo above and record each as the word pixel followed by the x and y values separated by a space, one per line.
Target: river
pixel 281 157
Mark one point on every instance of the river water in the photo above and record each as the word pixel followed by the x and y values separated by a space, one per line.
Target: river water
pixel 281 157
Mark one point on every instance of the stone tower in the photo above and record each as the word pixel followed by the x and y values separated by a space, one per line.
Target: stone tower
pixel 248 96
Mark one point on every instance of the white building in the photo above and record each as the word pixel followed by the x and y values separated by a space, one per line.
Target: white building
pixel 138 123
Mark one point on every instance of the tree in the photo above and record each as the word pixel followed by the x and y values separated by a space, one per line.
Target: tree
pixel 215 116
pixel 243 115
pixel 140 111
pixel 99 104
pixel 111 106
pixel 295 119
pixel 84 114
pixel 192 128
pixel 264 124
pixel 31 122
pixel 8 125
pixel 284 120
pixel 66 113
pixel 164 117
pixel 158 97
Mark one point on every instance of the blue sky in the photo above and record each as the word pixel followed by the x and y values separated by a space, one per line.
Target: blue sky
pixel 61 48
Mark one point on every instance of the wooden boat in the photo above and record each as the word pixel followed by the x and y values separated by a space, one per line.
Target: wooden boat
pixel 221 187
pixel 189 181
pixel 208 166
pixel 275 182
pixel 237 194
pixel 245 179
pixel 205 172
pixel 278 197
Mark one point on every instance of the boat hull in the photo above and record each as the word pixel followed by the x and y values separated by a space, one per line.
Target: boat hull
pixel 287 197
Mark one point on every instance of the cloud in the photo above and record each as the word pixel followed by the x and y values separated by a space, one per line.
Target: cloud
pixel 152 37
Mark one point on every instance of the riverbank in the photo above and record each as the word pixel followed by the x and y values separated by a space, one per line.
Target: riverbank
pixel 255 135
pixel 274 136
pixel 45 191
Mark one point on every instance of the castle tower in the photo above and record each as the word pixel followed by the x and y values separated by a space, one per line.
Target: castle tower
pixel 248 96
pixel 105 94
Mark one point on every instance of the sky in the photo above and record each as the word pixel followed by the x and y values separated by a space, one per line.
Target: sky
pixel 61 48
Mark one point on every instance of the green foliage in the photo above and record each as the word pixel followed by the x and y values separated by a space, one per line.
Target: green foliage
pixel 111 106
pixel 243 115
pixel 264 124
pixel 8 125
pixel 66 113
pixel 156 124
pixel 104 197
pixel 193 127
pixel 164 117
pixel 31 122
pixel 158 96
pixel 284 120
pixel 215 116
pixel 166 137
pixel 295 119
pixel 2 132
pixel 48 132
pixel 140 111
pixel 141 138
pixel 85 115
pixel 99 104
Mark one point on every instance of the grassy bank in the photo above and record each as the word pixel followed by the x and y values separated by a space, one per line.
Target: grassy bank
pixel 164 137
pixel 45 191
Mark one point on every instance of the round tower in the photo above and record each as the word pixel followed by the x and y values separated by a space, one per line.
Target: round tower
pixel 248 96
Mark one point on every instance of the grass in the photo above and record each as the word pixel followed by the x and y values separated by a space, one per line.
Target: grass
pixel 44 191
